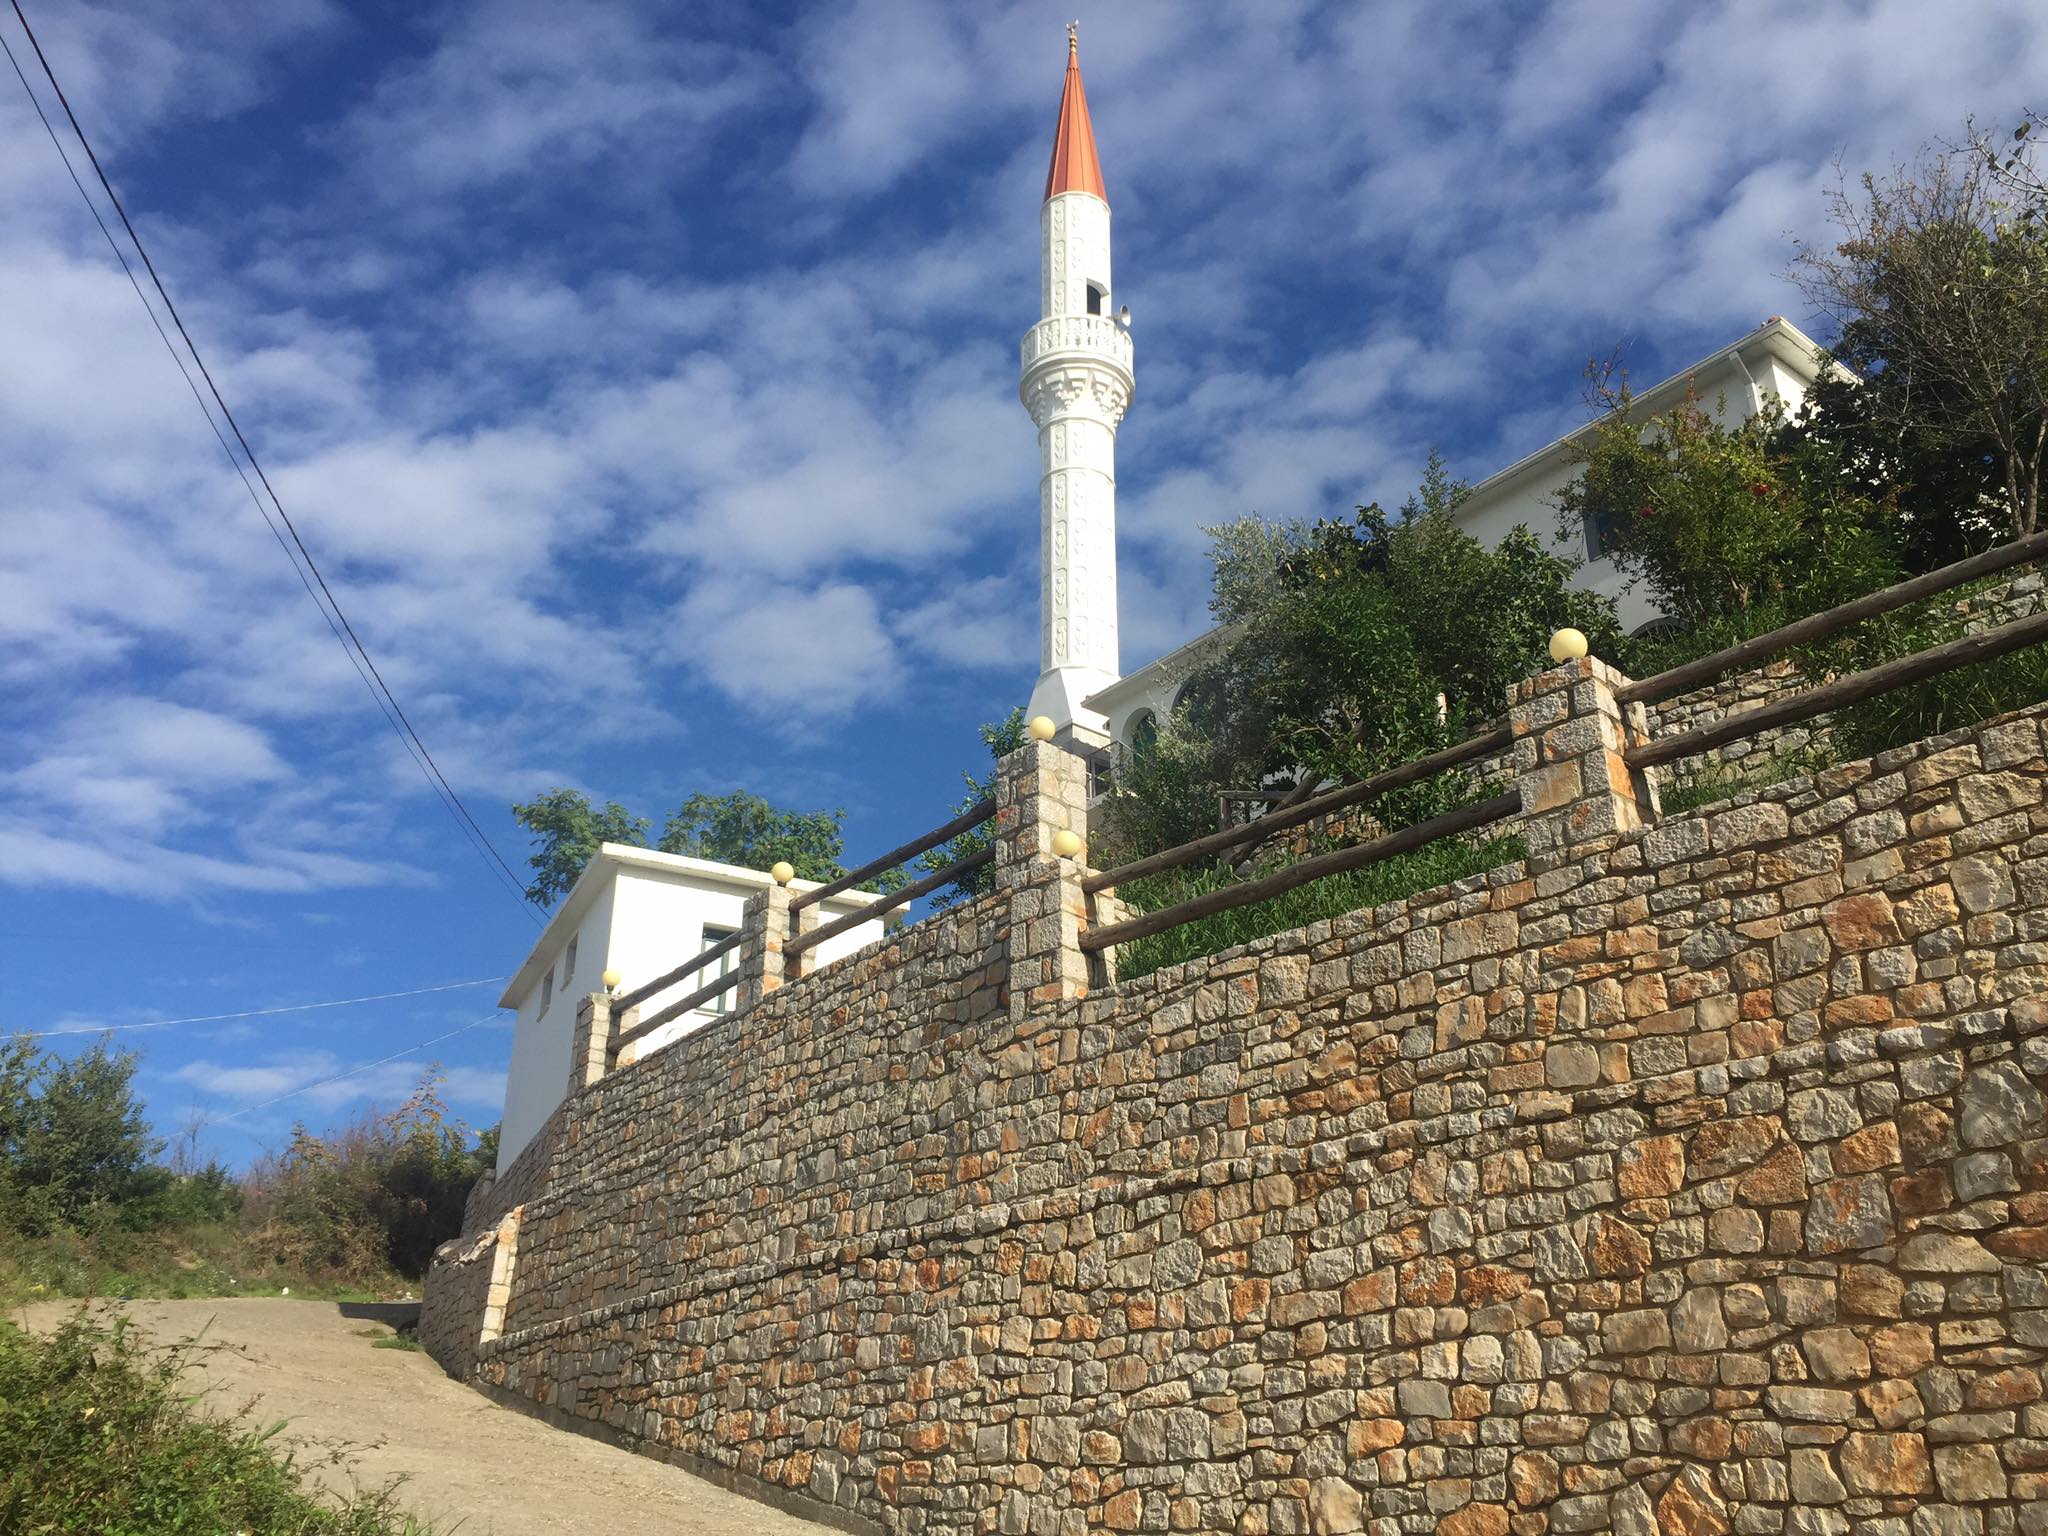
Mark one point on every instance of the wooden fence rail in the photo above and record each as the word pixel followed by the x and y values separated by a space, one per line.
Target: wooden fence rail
pixel 667 979
pixel 677 1009
pixel 1483 745
pixel 1819 626
pixel 1985 645
pixel 1465 819
pixel 966 821
pixel 798 943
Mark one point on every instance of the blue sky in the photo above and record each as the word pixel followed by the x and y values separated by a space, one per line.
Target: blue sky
pixel 645 383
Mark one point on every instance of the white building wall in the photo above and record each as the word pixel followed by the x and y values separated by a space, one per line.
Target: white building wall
pixel 1526 494
pixel 538 1077
pixel 639 921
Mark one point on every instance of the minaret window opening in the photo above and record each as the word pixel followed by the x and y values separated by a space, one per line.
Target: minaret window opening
pixel 1098 297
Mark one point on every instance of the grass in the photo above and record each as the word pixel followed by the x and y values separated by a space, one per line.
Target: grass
pixel 101 1435
pixel 1394 880
pixel 175 1264
pixel 400 1341
pixel 1718 782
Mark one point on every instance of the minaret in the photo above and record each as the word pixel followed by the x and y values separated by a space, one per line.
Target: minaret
pixel 1076 384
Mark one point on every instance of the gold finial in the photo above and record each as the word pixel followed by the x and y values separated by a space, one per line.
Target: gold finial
pixel 1073 39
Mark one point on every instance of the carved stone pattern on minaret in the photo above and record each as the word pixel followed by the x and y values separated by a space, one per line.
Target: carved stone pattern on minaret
pixel 1112 395
pixel 1064 389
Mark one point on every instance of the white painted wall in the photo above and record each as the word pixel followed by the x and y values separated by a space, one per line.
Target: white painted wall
pixel 1774 362
pixel 639 913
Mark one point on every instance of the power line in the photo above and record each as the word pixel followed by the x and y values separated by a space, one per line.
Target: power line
pixel 233 462
pixel 379 690
pixel 208 942
pixel 250 1109
pixel 255 1013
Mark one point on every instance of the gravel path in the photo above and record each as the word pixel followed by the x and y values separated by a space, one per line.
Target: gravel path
pixel 468 1464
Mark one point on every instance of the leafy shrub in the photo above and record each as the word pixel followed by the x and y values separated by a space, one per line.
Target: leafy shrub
pixel 375 1198
pixel 1395 879
pixel 1740 526
pixel 74 1145
pixel 98 1434
pixel 89 1214
pixel 1349 647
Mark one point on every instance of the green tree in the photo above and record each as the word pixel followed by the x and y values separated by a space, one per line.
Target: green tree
pixel 1353 646
pixel 1939 283
pixel 1722 524
pixel 567 830
pixel 1942 491
pixel 73 1140
pixel 744 829
pixel 1001 737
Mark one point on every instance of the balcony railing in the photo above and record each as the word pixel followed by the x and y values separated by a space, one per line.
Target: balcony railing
pixel 1076 333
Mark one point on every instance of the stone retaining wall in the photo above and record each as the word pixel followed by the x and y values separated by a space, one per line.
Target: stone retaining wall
pixel 1691 1179
pixel 496 1193
pixel 458 1293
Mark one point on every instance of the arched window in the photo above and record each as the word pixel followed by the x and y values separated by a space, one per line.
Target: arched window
pixel 1097 297
pixel 1142 736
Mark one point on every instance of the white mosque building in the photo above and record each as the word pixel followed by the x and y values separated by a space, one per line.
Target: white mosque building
pixel 1077 383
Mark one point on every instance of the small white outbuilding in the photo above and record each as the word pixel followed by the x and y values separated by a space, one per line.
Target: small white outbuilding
pixel 640 913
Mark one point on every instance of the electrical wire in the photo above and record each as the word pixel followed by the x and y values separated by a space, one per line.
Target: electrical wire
pixel 255 1013
pixel 337 620
pixel 233 462
pixel 250 1109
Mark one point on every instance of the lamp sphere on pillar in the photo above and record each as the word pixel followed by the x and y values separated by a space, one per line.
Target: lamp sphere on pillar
pixel 782 871
pixel 1041 728
pixel 1067 844
pixel 1567 645
pixel 611 980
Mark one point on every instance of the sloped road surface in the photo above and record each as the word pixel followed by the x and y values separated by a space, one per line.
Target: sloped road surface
pixel 468 1465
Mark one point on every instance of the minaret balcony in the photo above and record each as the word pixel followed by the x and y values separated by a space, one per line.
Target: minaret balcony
pixel 1096 336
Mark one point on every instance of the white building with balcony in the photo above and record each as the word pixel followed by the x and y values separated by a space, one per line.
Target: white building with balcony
pixel 1776 362
pixel 640 913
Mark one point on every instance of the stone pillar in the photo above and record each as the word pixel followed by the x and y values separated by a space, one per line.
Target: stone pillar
pixel 503 1256
pixel 764 925
pixel 590 1047
pixel 1041 791
pixel 1570 733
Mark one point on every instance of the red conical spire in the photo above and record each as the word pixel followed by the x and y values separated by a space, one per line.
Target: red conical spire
pixel 1075 167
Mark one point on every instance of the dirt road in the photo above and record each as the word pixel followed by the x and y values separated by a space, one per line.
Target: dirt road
pixel 468 1464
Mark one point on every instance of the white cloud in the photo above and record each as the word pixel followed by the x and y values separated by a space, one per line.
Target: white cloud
pixel 516 89
pixel 302 1074
pixel 788 653
pixel 611 358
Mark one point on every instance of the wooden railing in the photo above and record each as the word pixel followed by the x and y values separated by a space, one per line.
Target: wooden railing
pixel 1819 626
pixel 661 983
pixel 966 821
pixel 1343 798
pixel 1820 700
pixel 1465 819
pixel 1837 693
